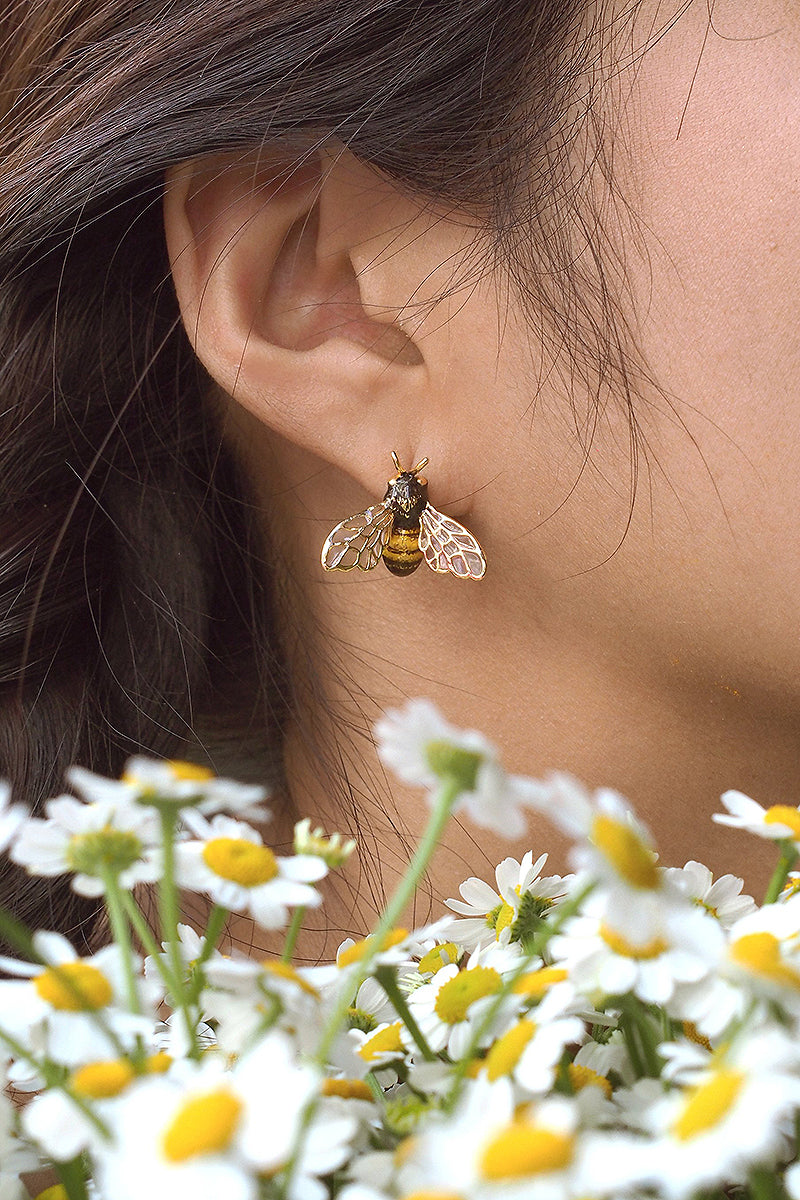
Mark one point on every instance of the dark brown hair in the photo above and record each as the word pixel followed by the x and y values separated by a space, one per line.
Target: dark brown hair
pixel 132 589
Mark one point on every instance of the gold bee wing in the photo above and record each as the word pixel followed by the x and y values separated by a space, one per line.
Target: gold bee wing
pixel 358 541
pixel 449 547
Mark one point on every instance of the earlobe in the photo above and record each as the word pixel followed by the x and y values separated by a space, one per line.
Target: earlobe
pixel 277 315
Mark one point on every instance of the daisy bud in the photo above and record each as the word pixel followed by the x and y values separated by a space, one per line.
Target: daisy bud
pixel 450 762
pixel 332 850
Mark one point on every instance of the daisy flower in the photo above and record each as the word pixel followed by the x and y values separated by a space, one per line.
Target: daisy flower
pixel 764 953
pixel 72 1009
pixel 454 1003
pixel 421 748
pixel 186 785
pixel 721 898
pixel 492 1150
pixel 522 895
pixel 529 1052
pixel 229 861
pixel 775 823
pixel 729 1119
pixel 110 834
pixel 206 1132
pixel 601 959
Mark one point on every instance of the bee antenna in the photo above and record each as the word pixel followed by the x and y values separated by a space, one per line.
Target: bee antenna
pixel 396 462
pixel 420 465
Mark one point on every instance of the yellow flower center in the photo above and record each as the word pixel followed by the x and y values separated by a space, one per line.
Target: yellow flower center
pixel 74 987
pixel 783 814
pixel 188 772
pixel 581 1077
pixel 56 1192
pixel 348 1089
pixel 243 862
pixel 708 1104
pixel 454 998
pixel 760 953
pixel 507 1050
pixel 505 917
pixel 100 1080
pixel 357 951
pixel 274 966
pixel 629 856
pixel 383 1041
pixel 433 1194
pixel 625 949
pixel 110 848
pixel 203 1125
pixel 536 983
pixel 437 957
pixel 521 1150
pixel 158 1064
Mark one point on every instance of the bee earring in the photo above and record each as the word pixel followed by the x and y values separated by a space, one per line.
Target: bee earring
pixel 403 530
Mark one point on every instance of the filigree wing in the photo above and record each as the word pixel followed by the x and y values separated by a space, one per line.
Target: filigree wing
pixel 358 541
pixel 449 547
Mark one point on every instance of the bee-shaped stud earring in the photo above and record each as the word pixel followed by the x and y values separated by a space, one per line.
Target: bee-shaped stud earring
pixel 402 531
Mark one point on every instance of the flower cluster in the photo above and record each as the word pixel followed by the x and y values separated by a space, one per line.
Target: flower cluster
pixel 626 1030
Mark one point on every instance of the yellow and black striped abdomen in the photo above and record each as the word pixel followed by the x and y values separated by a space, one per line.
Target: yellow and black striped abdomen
pixel 402 554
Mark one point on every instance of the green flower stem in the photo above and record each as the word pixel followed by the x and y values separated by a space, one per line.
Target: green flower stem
pixel 385 977
pixel 292 932
pixel 73 1178
pixel 147 938
pixel 628 1027
pixel 647 1035
pixel 169 914
pixel 781 873
pixel 764 1184
pixel 120 931
pixel 444 800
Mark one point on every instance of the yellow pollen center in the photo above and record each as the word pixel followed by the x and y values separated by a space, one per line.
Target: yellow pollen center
pixel 203 1125
pixel 708 1104
pixel 158 1064
pixel 760 953
pixel 455 997
pixel 74 987
pixel 357 951
pixel 243 862
pixel 188 772
pixel 629 856
pixel 536 983
pixel 437 957
pixel 505 917
pixel 507 1050
pixel 56 1192
pixel 348 1089
pixel 625 949
pixel 383 1041
pixel 433 1194
pixel 783 814
pixel 521 1150
pixel 581 1077
pixel 101 1080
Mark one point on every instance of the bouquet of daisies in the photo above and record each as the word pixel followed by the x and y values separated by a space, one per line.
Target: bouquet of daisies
pixel 628 1030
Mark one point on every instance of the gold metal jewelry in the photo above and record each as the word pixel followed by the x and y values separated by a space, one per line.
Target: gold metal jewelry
pixel 403 530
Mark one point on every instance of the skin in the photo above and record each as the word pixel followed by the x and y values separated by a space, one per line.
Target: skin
pixel 648 647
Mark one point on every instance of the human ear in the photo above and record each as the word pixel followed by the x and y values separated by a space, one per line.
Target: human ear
pixel 294 289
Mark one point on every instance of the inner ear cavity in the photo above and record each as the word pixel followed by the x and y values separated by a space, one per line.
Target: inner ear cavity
pixel 310 300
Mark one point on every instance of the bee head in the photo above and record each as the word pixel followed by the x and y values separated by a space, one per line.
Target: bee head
pixel 413 473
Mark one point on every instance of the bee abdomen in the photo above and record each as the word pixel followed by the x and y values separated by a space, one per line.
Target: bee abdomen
pixel 402 554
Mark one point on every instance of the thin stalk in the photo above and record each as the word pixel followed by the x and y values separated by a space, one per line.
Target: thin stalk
pixel 146 936
pixel 120 931
pixel 764 1185
pixel 292 932
pixel 648 1040
pixel 781 873
pixel 444 800
pixel 386 979
pixel 73 1179
pixel 169 914
pixel 628 1027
